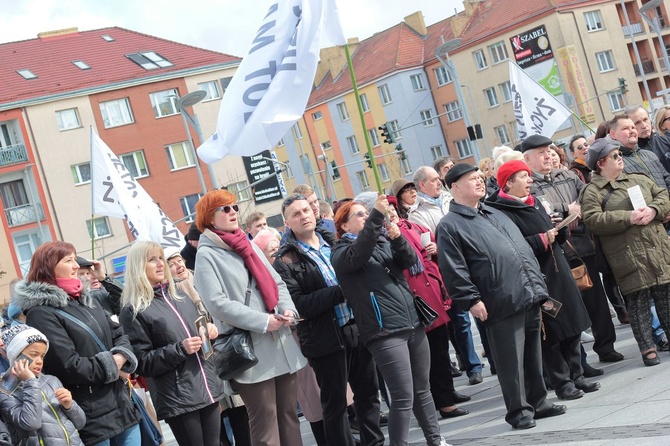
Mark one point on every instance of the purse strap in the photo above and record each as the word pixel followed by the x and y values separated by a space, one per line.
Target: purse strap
pixel 84 326
pixel 567 242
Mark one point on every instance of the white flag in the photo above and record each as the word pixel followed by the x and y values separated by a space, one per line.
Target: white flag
pixel 117 194
pixel 535 109
pixel 270 89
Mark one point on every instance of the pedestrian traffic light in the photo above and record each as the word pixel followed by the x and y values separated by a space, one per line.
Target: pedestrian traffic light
pixel 386 135
pixel 368 161
pixel 401 152
pixel 623 88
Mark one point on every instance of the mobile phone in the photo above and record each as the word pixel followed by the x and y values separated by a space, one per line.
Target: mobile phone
pixel 22 356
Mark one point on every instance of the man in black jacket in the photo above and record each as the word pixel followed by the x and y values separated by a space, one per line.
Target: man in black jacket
pixel 328 335
pixel 494 273
pixel 647 137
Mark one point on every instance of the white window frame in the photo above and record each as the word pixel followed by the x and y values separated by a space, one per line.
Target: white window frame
pixel 480 60
pixel 417 82
pixel 123 113
pixel 281 143
pixel 616 101
pixel 385 94
pixel 374 137
pixel 212 90
pixel 240 190
pixel 506 89
pixel 317 115
pixel 186 207
pixel 453 110
pixel 384 172
pixel 503 137
pixel 498 52
pixel 491 97
pixel 594 21
pixel 164 102
pixel 605 61
pixel 464 148
pixel 427 117
pixel 364 103
pixel 77 175
pixel 326 145
pixel 353 145
pixel 297 131
pixel 135 159
pixel 92 228
pixel 436 152
pixel 363 180
pixel 68 119
pixel 405 166
pixel 442 76
pixel 169 150
pixel 394 128
pixel 342 111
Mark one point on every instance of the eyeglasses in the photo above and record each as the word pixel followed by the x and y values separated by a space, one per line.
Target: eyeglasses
pixel 227 208
pixel 358 214
pixel 616 155
pixel 290 199
pixel 583 146
pixel 665 120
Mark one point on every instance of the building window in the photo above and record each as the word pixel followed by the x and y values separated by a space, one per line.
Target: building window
pixel 436 152
pixel 336 171
pixel 297 133
pixel 417 82
pixel 81 173
pixel 317 115
pixel 463 146
pixel 281 143
pixel 212 90
pixel 506 91
pixel 594 21
pixel 343 112
pixel 353 144
pixel 385 94
pixel 68 119
pixel 116 113
pixel 374 137
pixel 81 64
pixel 135 163
pixel 616 100
pixel 364 103
pixel 405 166
pixel 27 74
pixel 605 61
pixel 453 111
pixel 225 81
pixel 363 179
pixel 98 228
pixel 503 137
pixel 164 103
pixel 443 76
pixel 241 190
pixel 491 97
pixel 394 128
pixel 326 145
pixel 179 155
pixel 426 118
pixel 480 60
pixel 188 206
pixel 149 60
pixel 498 52
pixel 384 172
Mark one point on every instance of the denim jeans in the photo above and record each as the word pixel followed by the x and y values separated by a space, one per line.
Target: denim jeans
pixel 129 437
pixel 656 329
pixel 466 345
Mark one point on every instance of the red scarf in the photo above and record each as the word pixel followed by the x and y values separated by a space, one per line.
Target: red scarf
pixel 72 286
pixel 529 200
pixel 265 283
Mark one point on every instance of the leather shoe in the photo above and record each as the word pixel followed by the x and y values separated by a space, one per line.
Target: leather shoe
pixel 554 410
pixel 459 397
pixel 570 393
pixel 613 356
pixel 476 378
pixel 587 387
pixel 458 412
pixel 663 346
pixel 455 373
pixel 524 423
pixel 590 372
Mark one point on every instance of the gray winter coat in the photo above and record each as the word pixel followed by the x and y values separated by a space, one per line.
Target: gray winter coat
pixel 35 417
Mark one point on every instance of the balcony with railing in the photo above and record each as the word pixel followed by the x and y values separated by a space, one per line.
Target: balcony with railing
pixel 632 29
pixel 647 65
pixel 13 155
pixel 24 214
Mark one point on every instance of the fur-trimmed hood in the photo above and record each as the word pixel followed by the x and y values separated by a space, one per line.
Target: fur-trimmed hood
pixel 32 294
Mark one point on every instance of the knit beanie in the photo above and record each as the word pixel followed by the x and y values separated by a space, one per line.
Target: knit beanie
pixel 263 238
pixel 508 169
pixel 18 337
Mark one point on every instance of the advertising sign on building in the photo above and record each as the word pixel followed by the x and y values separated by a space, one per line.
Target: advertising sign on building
pixel 261 166
pixel 575 81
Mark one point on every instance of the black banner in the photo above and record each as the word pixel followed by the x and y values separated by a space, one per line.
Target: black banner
pixel 531 47
pixel 260 166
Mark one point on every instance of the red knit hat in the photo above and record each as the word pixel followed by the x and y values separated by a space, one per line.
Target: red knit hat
pixel 508 169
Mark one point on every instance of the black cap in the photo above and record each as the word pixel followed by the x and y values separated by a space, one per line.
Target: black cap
pixel 84 263
pixel 535 141
pixel 458 171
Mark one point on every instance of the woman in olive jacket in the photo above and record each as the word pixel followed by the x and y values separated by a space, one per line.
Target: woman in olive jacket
pixel 369 271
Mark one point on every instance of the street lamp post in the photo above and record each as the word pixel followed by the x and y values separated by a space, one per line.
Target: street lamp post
pixel 442 53
pixel 187 101
pixel 653 23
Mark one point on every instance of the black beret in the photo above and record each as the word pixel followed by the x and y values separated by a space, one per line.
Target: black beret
pixel 535 141
pixel 458 171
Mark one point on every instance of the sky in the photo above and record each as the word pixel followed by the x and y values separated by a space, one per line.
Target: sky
pixel 227 26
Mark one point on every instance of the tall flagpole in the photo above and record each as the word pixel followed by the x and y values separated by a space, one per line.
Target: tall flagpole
pixel 368 143
pixel 92 199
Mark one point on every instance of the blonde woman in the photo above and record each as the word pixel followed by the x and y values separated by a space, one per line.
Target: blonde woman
pixel 161 328
pixel 662 120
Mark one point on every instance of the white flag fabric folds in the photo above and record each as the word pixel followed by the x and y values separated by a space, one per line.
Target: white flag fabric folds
pixel 270 89
pixel 117 194
pixel 537 112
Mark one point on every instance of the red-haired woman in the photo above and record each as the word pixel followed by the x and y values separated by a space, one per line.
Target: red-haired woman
pixel 52 296
pixel 227 267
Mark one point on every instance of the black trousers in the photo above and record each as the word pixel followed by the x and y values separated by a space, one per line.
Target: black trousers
pixel 198 428
pixel 354 365
pixel 441 381
pixel 562 361
pixel 239 423
pixel 595 302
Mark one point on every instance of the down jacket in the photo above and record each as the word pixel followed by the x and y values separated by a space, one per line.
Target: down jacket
pixel 638 255
pixel 484 257
pixel 76 360
pixel 369 270
pixel 34 420
pixel 183 383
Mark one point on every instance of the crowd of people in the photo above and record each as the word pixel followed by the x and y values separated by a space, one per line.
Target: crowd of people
pixel 357 303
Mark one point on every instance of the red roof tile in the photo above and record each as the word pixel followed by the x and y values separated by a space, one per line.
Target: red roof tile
pixel 50 59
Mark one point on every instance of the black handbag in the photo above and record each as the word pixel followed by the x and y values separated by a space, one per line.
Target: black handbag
pixel 234 351
pixel 426 314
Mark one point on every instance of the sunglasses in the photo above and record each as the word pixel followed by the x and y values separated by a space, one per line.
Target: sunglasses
pixel 665 120
pixel 227 208
pixel 358 214
pixel 290 200
pixel 616 155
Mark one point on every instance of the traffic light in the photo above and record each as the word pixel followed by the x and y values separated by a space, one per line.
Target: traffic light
pixel 623 88
pixel 401 152
pixel 386 135
pixel 368 161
